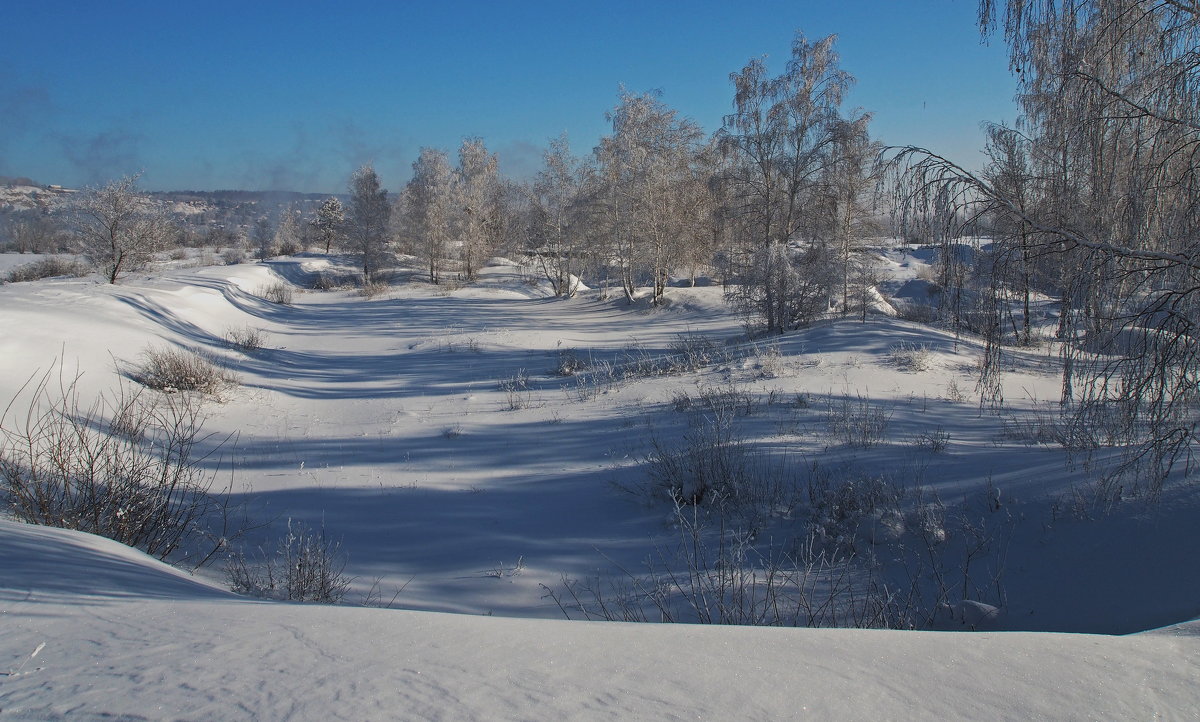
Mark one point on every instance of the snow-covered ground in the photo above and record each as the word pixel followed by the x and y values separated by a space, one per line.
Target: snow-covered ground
pixel 128 638
pixel 426 428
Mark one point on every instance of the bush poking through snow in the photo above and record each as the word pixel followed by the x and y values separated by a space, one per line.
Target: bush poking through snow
pixel 278 292
pixel 712 461
pixel 692 351
pixel 570 363
pixel 289 248
pixel 910 357
pixel 323 282
pixel 121 468
pixel 374 289
pixel 233 256
pixel 516 390
pixel 858 422
pixel 47 268
pixel 849 513
pixel 171 369
pixel 306 566
pixel 716 576
pixel 246 339
pixel 935 441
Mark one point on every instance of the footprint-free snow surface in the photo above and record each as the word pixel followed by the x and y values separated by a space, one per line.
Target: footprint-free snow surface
pixel 428 430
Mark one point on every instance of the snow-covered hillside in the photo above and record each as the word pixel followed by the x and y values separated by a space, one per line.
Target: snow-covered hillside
pixel 436 433
pixel 15 197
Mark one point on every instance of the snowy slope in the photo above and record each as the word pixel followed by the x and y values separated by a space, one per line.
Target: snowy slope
pixel 126 637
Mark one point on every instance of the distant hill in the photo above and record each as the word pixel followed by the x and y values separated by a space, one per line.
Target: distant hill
pixel 220 208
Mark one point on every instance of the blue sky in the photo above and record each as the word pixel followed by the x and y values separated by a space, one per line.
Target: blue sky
pixel 269 95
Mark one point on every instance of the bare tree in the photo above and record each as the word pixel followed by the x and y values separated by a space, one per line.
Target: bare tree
pixel 849 182
pixel 556 217
pixel 367 220
pixel 119 229
pixel 778 141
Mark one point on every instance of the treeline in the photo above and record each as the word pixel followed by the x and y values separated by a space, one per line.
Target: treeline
pixel 776 204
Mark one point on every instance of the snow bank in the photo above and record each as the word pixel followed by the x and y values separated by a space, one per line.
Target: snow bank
pixel 143 640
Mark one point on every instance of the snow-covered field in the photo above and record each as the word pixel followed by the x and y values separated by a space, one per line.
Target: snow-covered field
pixel 428 430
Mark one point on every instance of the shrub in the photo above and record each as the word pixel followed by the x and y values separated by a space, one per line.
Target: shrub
pixel 712 461
pixel 770 362
pixel 278 292
pixel 322 282
pixel 726 400
pixel 246 338
pixel 847 511
pixel 122 469
pixel 233 256
pixel 713 576
pixel 691 351
pixel 857 422
pixel 47 268
pixel 935 441
pixel 306 566
pixel 172 369
pixel 570 363
pixel 289 248
pixel 374 288
pixel 911 357
pixel 516 390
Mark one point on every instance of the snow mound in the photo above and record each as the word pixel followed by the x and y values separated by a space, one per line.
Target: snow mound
pixel 147 640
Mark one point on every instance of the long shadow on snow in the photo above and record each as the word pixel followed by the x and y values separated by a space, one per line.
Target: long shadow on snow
pixel 71 568
pixel 524 446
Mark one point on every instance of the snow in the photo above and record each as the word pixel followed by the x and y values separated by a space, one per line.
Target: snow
pixel 388 421
pixel 127 636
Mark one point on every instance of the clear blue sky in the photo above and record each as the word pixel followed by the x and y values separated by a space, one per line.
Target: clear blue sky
pixel 272 95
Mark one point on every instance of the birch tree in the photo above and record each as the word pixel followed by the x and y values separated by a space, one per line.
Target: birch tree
pixel 850 182
pixel 653 190
pixel 429 207
pixel 778 142
pixel 1110 99
pixel 120 229
pixel 367 220
pixel 477 193
pixel 556 216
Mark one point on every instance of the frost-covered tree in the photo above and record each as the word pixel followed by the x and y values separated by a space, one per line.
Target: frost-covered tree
pixel 330 223
pixel 556 215
pixel 119 229
pixel 1109 203
pixel 478 190
pixel 367 220
pixel 289 234
pixel 263 236
pixel 849 182
pixel 1015 254
pixel 654 191
pixel 429 207
pixel 778 141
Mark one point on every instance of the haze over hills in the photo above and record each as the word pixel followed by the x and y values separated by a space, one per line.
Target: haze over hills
pixel 19 194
